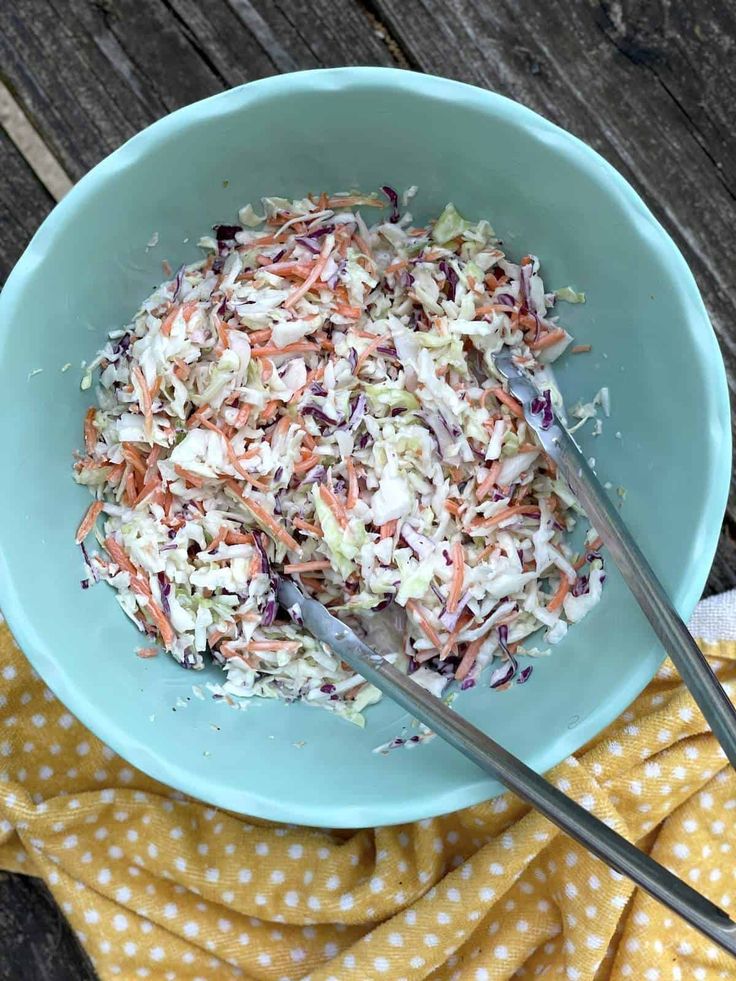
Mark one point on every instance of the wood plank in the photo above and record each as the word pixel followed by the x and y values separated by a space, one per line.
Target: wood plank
pixel 35 939
pixel 24 203
pixel 90 75
pixel 650 86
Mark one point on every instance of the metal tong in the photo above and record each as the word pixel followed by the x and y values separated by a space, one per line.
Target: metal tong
pixel 695 671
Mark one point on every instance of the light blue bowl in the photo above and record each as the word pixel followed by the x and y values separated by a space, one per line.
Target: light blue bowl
pixel 88 267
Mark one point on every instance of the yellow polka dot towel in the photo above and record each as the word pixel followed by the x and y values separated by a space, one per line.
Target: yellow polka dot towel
pixel 158 886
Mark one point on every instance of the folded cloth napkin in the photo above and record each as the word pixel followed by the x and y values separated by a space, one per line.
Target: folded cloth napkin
pixel 160 886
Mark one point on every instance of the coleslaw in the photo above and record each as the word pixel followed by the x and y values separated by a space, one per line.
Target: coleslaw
pixel 317 398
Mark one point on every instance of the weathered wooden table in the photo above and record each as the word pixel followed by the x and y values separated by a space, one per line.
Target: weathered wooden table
pixel 651 85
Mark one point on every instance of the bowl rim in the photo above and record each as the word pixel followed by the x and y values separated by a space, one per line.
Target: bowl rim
pixel 697 324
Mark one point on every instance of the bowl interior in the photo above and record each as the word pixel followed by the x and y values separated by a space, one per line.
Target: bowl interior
pixel 666 442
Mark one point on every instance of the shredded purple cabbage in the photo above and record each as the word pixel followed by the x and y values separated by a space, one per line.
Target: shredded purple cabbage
pixel 178 282
pixel 315 476
pixel 357 411
pixel 165 589
pixel 451 277
pixel 226 233
pixel 542 406
pixel 265 564
pixel 524 675
pixel 394 199
pixel 317 413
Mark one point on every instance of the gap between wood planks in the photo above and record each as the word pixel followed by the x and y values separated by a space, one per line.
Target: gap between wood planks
pixel 32 148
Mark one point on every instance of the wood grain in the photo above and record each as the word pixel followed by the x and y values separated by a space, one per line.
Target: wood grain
pixel 36 943
pixel 24 203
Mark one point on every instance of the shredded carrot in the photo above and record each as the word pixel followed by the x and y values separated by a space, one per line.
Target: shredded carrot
pixel 146 652
pixel 468 659
pixel 547 340
pixel 494 308
pixel 526 260
pixel 307 526
pixel 366 353
pixel 145 398
pixel 159 618
pixel 146 491
pixel 562 590
pixel 290 646
pixel 388 530
pixel 222 333
pixel 237 538
pixel 151 464
pixel 117 554
pixel 217 540
pixel 489 483
pixel 191 478
pixel 132 456
pixel 90 431
pixel 452 506
pixel 496 519
pixel 344 310
pixel 306 463
pixel 353 491
pixel 420 615
pixel 509 401
pixel 458 576
pixel 581 349
pixel 241 418
pixel 264 518
pixel 298 347
pixel 182 369
pixel 316 566
pixel 131 488
pixel 317 268
pixel 260 336
pixel 88 521
pixel 352 200
pixel 338 509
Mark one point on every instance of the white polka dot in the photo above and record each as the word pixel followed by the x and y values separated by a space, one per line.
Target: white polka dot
pixel 191 929
pixel 122 894
pixel 156 954
pixel 346 901
pixel 333 883
pixel 120 922
pixel 264 959
pixel 481 974
pixel 212 875
pixel 103 876
pixel 244 876
pixel 376 884
pixel 417 962
pixel 381 964
pixel 291 898
pixel 431 939
pixel 261 848
pixel 501 953
pixel 91 916
pixel 296 851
